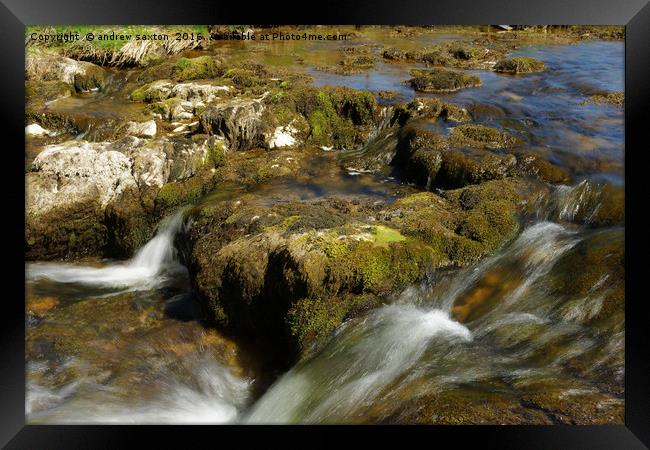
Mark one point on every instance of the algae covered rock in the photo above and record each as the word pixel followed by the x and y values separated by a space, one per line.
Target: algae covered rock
pixel 338 117
pixel 607 98
pixel 480 136
pixel 441 80
pixel 294 271
pixel 519 65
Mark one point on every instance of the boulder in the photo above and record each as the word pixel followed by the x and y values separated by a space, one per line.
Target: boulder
pixel 239 121
pixel 141 129
pixel 72 185
pixel 84 76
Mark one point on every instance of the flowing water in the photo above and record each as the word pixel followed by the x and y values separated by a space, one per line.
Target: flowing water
pixel 122 341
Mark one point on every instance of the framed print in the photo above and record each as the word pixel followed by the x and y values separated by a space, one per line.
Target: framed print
pixel 418 216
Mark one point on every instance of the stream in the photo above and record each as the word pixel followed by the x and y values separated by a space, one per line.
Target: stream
pixel 138 351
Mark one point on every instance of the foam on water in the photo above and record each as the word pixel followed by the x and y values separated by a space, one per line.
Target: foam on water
pixel 150 266
pixel 365 357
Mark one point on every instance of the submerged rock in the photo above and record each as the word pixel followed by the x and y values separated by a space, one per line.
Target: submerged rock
pixel 607 98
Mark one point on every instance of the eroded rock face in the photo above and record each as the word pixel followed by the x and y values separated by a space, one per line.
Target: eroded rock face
pixel 73 184
pixel 239 121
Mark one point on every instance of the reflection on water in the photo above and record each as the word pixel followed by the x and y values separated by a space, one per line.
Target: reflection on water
pixel 564 130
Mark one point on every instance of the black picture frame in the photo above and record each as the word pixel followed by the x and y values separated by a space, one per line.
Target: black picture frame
pixel 634 14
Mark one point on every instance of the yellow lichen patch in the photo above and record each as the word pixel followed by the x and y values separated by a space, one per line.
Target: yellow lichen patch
pixel 382 236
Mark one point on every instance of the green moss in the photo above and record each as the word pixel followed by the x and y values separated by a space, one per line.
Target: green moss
pixel 201 67
pixel 491 223
pixel 313 320
pixel 480 136
pixel 151 92
pixel 441 80
pixel 216 154
pixel 45 91
pixel 178 193
pixel 383 235
pixel 519 65
pixel 337 116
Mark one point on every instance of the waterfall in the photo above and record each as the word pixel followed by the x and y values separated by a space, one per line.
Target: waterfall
pixel 149 267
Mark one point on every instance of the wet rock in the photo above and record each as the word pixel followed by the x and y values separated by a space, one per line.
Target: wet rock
pixel 455 113
pixel 519 65
pixel 425 108
pixel 466 405
pixel 607 98
pixel 441 80
pixel 453 169
pixel 529 164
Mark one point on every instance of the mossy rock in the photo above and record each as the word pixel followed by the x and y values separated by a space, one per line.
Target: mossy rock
pixel 455 113
pixel 533 165
pixel 441 80
pixel 480 136
pixel 425 108
pixel 152 92
pixel 338 116
pixel 177 193
pixel 519 65
pixel 448 169
pixel 202 67
pixel 92 78
pixel 607 98
pixel 40 92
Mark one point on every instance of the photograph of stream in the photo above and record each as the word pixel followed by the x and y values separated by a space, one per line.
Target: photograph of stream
pixel 234 224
